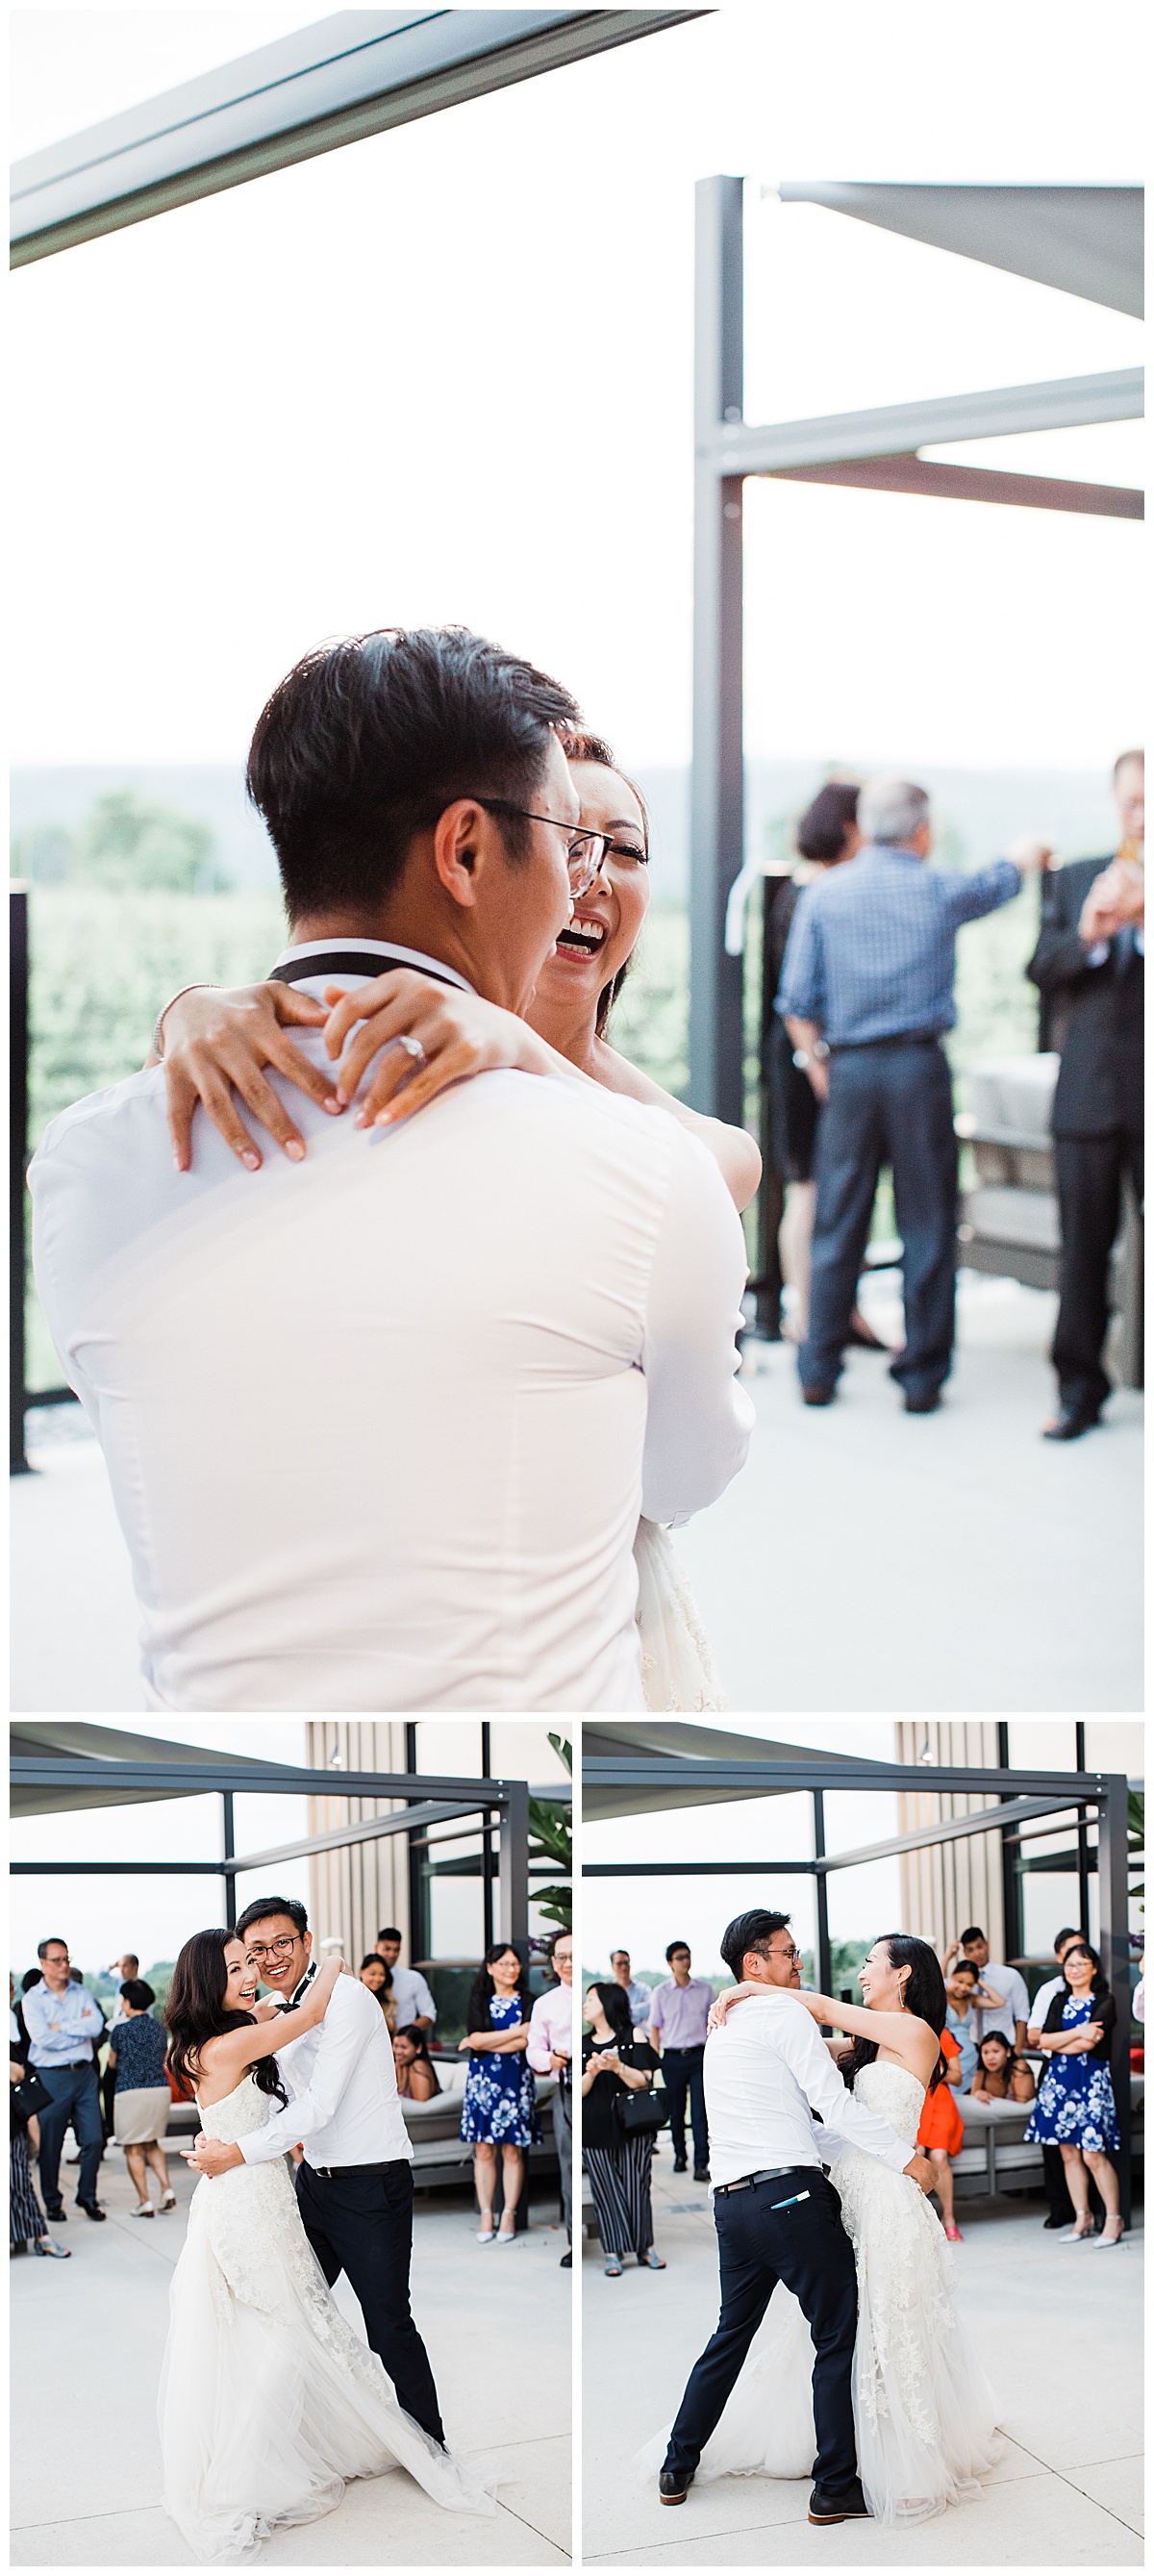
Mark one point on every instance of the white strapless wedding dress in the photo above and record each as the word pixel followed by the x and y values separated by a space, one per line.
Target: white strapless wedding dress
pixel 268 2399
pixel 924 2413
pixel 677 1667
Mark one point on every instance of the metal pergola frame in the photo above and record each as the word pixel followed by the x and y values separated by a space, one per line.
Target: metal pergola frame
pixel 876 449
pixel 1021 1795
pixel 429 1801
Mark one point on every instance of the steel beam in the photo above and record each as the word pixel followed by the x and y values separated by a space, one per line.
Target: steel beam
pixel 258 1779
pixel 513 1865
pixel 333 83
pixel 718 802
pixel 949 1829
pixel 229 1852
pixel 371 1829
pixel 654 1771
pixel 898 429
pixel 697 1868
pixel 824 1968
pixel 934 480
pixel 17 1171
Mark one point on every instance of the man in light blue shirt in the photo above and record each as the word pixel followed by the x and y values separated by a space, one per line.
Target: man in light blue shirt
pixel 63 2021
pixel 638 1995
pixel 866 991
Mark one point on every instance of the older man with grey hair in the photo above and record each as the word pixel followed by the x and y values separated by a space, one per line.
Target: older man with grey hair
pixel 866 991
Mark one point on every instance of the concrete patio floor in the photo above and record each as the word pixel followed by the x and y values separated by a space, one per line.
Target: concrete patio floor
pixel 865 1560
pixel 88 2337
pixel 1058 2329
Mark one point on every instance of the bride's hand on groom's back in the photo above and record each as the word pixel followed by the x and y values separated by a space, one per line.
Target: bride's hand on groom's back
pixel 220 1045
pixel 429 1036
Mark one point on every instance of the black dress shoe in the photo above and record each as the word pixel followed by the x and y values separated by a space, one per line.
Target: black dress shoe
pixel 701 2173
pixel 818 1394
pixel 57 2216
pixel 680 2165
pixel 566 2262
pixel 839 2504
pixel 1072 1421
pixel 673 2485
pixel 924 1403
pixel 92 2209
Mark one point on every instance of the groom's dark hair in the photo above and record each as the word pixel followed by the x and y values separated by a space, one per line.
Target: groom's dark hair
pixel 367 741
pixel 752 1931
pixel 255 1913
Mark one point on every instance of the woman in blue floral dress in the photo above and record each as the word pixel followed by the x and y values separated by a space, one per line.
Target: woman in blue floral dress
pixel 1075 2109
pixel 500 2108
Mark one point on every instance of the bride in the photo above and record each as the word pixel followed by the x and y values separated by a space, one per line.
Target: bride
pixel 924 2413
pixel 268 2400
pixel 206 1034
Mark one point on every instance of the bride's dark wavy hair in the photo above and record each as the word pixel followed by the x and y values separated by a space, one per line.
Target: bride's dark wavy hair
pixel 924 1995
pixel 195 2011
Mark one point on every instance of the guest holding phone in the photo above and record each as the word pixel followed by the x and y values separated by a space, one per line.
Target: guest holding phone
pixel 615 2064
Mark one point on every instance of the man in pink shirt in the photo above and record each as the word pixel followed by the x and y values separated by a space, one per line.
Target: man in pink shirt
pixel 678 2015
pixel 550 2052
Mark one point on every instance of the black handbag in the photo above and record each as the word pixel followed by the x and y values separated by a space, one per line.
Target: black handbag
pixel 642 2114
pixel 29 2096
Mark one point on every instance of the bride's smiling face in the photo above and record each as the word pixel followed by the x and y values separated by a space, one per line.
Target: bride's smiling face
pixel 607 919
pixel 881 1983
pixel 241 1980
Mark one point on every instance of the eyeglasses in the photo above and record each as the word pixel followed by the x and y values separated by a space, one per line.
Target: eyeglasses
pixel 588 851
pixel 273 1949
pixel 794 1956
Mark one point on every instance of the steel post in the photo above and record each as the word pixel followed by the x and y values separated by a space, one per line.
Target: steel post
pixel 513 1866
pixel 229 1854
pixel 824 1968
pixel 717 819
pixel 1114 1942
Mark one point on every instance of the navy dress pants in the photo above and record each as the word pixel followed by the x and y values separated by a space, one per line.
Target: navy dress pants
pixel 759 2244
pixel 75 2100
pixel 892 1104
pixel 362 2224
pixel 682 2073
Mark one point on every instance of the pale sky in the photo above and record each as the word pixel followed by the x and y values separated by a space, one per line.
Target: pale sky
pixel 447 374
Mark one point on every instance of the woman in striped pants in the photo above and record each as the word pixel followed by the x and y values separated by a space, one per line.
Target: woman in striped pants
pixel 615 2064
pixel 27 2223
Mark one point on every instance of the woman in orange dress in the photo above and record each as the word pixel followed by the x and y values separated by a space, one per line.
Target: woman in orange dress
pixel 942 2132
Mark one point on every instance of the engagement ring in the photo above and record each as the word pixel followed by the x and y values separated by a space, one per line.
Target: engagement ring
pixel 413 1047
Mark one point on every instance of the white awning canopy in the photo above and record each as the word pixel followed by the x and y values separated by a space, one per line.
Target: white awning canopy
pixel 1087 241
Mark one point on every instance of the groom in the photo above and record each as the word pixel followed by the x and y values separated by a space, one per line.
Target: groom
pixel 355 2187
pixel 380 1422
pixel 777 2215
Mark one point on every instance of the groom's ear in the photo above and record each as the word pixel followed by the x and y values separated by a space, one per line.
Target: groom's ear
pixel 459 840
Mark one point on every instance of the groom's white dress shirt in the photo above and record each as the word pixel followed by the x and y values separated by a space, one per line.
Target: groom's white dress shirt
pixel 379 1425
pixel 341 2080
pixel 765 2070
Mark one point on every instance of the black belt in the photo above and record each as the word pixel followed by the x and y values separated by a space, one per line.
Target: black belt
pixel 901 1037
pixel 341 961
pixel 765 2173
pixel 64 2066
pixel 333 2173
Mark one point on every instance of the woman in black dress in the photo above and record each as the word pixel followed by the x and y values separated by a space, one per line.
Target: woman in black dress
pixel 826 835
pixel 617 2161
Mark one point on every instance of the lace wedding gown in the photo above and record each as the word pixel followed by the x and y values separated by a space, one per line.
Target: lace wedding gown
pixel 677 1668
pixel 268 2400
pixel 923 2409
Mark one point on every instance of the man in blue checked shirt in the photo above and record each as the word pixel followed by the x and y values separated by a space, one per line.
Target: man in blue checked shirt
pixel 62 2022
pixel 867 989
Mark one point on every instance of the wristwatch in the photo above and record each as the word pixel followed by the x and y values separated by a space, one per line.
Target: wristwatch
pixel 805 1056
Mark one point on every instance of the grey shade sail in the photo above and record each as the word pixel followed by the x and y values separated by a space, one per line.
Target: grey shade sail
pixel 100 1745
pixel 327 85
pixel 703 1743
pixel 1087 241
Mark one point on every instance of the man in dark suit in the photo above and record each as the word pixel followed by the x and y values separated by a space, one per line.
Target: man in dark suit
pixel 1090 964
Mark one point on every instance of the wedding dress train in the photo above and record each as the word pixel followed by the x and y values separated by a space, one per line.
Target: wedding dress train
pixel 924 2413
pixel 268 2399
pixel 677 1667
